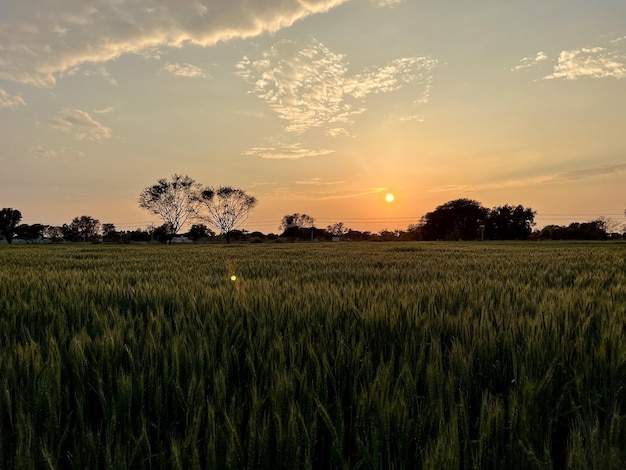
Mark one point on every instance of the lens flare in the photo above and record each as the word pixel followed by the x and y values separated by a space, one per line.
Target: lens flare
pixel 233 278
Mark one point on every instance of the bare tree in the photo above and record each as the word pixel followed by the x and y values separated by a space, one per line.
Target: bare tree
pixel 175 201
pixel 226 208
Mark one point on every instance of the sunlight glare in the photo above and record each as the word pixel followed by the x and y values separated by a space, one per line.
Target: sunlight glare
pixel 389 197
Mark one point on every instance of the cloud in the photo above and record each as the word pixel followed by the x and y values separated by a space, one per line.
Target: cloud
pixel 277 150
pixel 10 101
pixel 79 123
pixel 43 153
pixel 565 177
pixel 337 132
pixel 311 87
pixel 318 182
pixel 40 40
pixel 575 175
pixel 528 62
pixel 107 110
pixel 449 188
pixel 295 194
pixel 97 72
pixel 386 3
pixel 593 62
pixel 185 70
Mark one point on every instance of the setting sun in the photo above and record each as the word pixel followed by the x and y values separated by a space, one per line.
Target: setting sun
pixel 389 197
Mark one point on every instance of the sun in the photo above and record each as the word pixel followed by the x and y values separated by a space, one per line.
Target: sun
pixel 389 197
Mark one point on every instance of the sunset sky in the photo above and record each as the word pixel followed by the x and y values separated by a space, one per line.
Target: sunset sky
pixel 314 106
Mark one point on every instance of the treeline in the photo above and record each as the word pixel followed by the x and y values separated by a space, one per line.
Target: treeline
pixel 457 220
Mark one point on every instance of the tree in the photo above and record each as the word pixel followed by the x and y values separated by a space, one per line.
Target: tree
pixel 9 219
pixel 460 219
pixel 297 226
pixel 30 232
pixel 54 233
pixel 198 231
pixel 509 223
pixel 110 233
pixel 84 228
pixel 227 208
pixel 338 229
pixel 175 201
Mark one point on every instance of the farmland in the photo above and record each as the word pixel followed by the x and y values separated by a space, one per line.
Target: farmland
pixel 363 355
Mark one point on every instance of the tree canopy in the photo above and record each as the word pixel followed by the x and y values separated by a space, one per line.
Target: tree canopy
pixel 466 219
pixel 226 208
pixel 9 219
pixel 175 201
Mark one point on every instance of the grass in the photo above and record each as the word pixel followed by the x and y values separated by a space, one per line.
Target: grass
pixel 409 355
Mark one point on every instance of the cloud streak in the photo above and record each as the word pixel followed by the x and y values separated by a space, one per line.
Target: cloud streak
pixel 40 40
pixel 9 101
pixel 81 124
pixel 575 175
pixel 276 150
pixel 559 178
pixel 185 70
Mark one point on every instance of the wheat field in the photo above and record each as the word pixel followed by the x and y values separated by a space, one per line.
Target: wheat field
pixel 342 355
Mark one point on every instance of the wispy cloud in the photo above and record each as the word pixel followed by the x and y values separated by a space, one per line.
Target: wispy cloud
pixel 386 3
pixel 43 153
pixel 318 182
pixel 81 124
pixel 323 195
pixel 277 150
pixel 185 70
pixel 449 188
pixel 564 177
pixel 40 40
pixel 528 62
pixel 97 72
pixel 602 170
pixel 107 110
pixel 10 101
pixel 311 87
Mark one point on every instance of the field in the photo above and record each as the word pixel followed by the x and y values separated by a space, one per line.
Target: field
pixel 362 355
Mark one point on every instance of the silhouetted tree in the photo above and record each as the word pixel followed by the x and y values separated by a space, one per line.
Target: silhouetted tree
pixel 297 225
pixel 198 231
pixel 162 234
pixel 175 201
pixel 9 219
pixel 593 230
pixel 30 232
pixel 509 223
pixel 338 229
pixel 460 219
pixel 110 233
pixel 227 208
pixel 84 228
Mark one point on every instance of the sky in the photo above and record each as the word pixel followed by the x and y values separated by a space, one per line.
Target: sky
pixel 320 107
